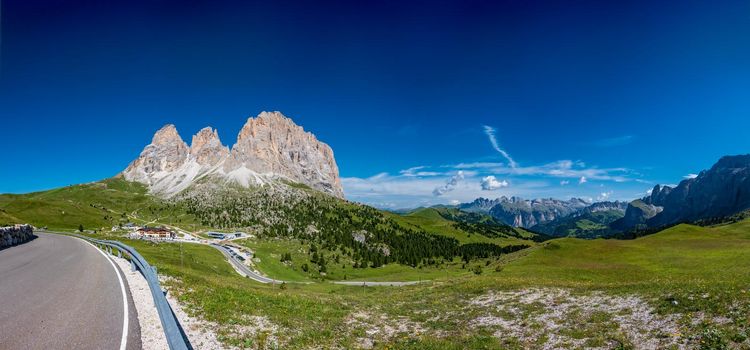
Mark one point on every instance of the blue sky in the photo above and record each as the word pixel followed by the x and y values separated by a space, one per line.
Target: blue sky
pixel 625 94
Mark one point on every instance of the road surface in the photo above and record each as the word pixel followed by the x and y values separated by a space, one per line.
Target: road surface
pixel 59 292
pixel 242 268
pixel 379 284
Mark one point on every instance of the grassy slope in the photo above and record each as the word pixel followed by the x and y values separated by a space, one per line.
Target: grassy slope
pixel 684 263
pixel 95 205
pixel 101 205
pixel 678 255
pixel 269 252
pixel 431 221
pixel 586 226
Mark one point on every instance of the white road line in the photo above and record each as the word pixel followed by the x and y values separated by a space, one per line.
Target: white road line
pixel 124 340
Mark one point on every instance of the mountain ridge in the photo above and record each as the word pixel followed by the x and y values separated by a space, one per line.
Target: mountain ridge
pixel 720 191
pixel 269 147
pixel 519 212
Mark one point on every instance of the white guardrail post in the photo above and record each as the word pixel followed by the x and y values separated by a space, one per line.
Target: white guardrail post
pixel 176 338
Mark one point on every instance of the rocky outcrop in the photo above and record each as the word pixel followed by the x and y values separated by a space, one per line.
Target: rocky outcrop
pixel 636 215
pixel 166 153
pixel 720 191
pixel 479 205
pixel 606 206
pixel 207 149
pixel 658 195
pixel 269 148
pixel 16 234
pixel 273 143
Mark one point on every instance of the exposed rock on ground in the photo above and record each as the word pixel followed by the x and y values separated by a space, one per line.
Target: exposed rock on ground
pixel 17 234
pixel 558 319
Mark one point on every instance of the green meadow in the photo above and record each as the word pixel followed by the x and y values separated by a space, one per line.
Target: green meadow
pixel 689 284
pixel 685 271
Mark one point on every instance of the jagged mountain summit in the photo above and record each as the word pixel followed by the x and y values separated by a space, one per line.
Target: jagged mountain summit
pixel 519 212
pixel 720 191
pixel 269 147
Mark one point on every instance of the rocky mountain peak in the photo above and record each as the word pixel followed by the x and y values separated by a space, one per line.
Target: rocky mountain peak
pixel 205 137
pixel 273 143
pixel 167 135
pixel 268 122
pixel 479 205
pixel 269 147
pixel 167 152
pixel 206 147
pixel 732 162
pixel 720 191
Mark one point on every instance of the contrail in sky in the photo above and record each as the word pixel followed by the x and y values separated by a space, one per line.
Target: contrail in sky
pixel 490 131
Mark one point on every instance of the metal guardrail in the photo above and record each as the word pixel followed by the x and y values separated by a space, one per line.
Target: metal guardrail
pixel 172 330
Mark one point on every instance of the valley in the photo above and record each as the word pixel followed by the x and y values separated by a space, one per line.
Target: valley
pixel 676 288
pixel 507 273
pixel 680 287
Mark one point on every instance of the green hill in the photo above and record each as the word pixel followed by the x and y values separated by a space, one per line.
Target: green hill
pixel 693 278
pixel 682 254
pixel 464 226
pixel 95 206
pixel 334 238
pixel 586 225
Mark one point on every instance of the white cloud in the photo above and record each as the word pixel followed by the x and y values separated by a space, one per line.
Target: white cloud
pixel 490 183
pixel 416 171
pixel 490 132
pixel 615 141
pixel 474 165
pixel 604 196
pixel 561 168
pixel 427 185
pixel 690 176
pixel 398 191
pixel 455 202
pixel 450 185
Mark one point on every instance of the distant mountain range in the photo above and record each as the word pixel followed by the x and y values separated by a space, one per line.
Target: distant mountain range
pixel 590 222
pixel 519 212
pixel 721 191
pixel 554 217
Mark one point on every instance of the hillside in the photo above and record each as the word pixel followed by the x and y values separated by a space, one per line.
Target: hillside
pixel 668 271
pixel 465 226
pixel 722 190
pixel 586 225
pixel 360 236
pixel 95 206
pixel 681 287
pixel 680 253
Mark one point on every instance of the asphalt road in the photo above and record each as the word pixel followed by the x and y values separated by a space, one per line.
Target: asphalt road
pixel 59 292
pixel 242 268
pixel 263 279
pixel 379 284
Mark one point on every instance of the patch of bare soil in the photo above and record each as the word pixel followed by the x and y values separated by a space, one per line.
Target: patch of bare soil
pixel 558 319
pixel 375 327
